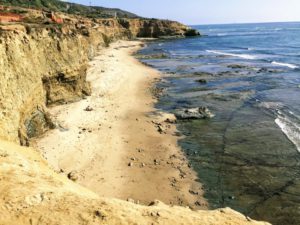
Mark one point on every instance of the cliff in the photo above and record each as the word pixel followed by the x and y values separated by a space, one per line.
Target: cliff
pixel 43 64
pixel 46 64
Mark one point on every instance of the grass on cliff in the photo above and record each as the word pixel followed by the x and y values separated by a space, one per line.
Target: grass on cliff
pixel 72 8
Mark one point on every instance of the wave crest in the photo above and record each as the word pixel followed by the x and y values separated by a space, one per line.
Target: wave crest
pixel 244 56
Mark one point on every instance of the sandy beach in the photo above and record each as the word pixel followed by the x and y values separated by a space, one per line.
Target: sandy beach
pixel 115 142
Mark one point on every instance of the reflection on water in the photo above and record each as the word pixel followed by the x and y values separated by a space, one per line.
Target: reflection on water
pixel 248 155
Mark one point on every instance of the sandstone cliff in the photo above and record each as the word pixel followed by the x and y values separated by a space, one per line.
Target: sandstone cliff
pixel 45 64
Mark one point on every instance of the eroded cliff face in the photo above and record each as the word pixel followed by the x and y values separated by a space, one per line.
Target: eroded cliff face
pixel 38 69
pixel 46 64
pixel 156 28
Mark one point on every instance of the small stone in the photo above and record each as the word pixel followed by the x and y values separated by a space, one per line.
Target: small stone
pixel 143 165
pixel 231 197
pixel 99 214
pixel 88 109
pixel 130 164
pixel 130 200
pixel 73 176
pixel 193 192
pixel 156 162
pixel 198 203
pixel 159 129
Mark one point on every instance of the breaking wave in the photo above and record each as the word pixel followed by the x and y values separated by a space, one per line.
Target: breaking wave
pixel 244 56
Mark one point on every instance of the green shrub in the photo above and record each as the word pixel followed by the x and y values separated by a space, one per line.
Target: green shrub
pixel 107 40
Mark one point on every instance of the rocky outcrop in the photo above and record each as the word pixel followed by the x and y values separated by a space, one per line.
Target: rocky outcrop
pixel 34 194
pixel 193 113
pixel 158 28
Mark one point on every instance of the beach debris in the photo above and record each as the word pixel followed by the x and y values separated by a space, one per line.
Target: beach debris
pixel 194 113
pixel 88 109
pixel 73 175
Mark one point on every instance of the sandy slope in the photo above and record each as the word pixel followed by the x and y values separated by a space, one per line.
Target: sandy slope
pixel 116 148
pixel 32 194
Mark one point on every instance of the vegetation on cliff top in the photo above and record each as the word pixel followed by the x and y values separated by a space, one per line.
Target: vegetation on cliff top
pixel 72 8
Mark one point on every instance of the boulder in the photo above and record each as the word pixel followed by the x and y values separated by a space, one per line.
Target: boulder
pixel 194 113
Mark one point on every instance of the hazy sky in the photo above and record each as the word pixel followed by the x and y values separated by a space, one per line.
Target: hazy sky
pixel 209 11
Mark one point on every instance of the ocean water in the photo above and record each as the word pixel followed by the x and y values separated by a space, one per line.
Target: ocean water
pixel 248 155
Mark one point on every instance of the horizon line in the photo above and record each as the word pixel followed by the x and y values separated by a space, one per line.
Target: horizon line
pixel 237 23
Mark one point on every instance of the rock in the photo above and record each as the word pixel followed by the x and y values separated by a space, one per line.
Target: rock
pixel 99 214
pixel 191 33
pixel 238 66
pixel 153 56
pixel 130 164
pixel 201 81
pixel 73 175
pixel 170 120
pixel 159 129
pixel 130 200
pixel 194 113
pixel 202 74
pixel 198 203
pixel 88 109
pixel 193 192
pixel 156 162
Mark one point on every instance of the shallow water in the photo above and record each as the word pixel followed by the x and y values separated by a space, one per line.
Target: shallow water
pixel 248 155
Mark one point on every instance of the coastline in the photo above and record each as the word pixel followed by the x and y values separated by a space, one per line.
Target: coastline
pixel 115 142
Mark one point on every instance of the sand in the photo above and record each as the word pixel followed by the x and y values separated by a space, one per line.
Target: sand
pixel 115 142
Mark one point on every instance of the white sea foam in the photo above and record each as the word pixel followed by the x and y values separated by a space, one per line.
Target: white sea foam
pixel 244 56
pixel 290 129
pixel 285 65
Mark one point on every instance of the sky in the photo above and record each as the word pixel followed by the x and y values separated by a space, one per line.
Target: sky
pixel 194 12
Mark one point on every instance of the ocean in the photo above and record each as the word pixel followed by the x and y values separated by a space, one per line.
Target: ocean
pixel 248 75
